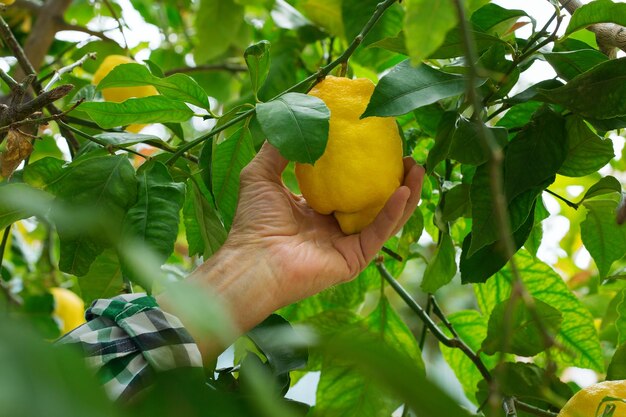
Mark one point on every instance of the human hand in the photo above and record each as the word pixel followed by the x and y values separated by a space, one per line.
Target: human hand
pixel 306 251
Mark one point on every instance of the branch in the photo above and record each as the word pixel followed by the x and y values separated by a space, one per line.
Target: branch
pixel 57 74
pixel 63 25
pixel 32 6
pixel 320 74
pixel 609 36
pixel 39 102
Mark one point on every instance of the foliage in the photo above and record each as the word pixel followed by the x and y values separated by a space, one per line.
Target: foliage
pixel 232 73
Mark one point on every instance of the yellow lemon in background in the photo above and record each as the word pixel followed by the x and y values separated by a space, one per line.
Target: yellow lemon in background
pixel 119 94
pixel 7 2
pixel 69 309
pixel 362 164
pixel 588 402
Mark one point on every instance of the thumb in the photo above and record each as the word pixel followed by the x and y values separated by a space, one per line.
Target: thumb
pixel 268 163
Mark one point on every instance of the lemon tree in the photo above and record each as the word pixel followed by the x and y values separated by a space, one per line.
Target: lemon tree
pixel 125 127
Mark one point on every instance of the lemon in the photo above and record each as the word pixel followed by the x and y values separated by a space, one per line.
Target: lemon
pixel 119 94
pixel 362 164
pixel 69 309
pixel 7 2
pixel 588 402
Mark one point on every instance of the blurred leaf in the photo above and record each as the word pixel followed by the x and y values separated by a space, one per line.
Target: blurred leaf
pixel 578 335
pixel 104 279
pixel 296 124
pixel 324 13
pixel 215 23
pixel 44 173
pixel 514 328
pixel 125 138
pixel 602 236
pixel 356 13
pixel 442 266
pixel 596 93
pixel 57 377
pixel 106 187
pixel 570 64
pixel 154 218
pixel 471 326
pixel 406 88
pixel 152 109
pixel 457 203
pixel 496 20
pixel 20 201
pixel 587 152
pixel 229 158
pixel 467 145
pixel 177 87
pixel 205 232
pixel 425 25
pixel 257 57
pixel 599 11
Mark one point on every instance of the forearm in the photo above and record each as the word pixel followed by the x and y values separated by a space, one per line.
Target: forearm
pixel 243 282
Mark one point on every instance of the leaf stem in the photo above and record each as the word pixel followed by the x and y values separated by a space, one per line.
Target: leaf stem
pixel 563 199
pixel 100 142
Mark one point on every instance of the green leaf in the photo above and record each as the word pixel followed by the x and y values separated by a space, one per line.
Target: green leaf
pixel 20 201
pixel 324 13
pixel 154 218
pixel 443 139
pixel 125 138
pixel 216 22
pixel 104 279
pixel 491 258
pixel 152 109
pixel 570 64
pixel 344 392
pixel 536 92
pixel 598 11
pixel 453 44
pixel 44 173
pixel 179 87
pixel 606 185
pixel 457 203
pixel 105 187
pixel 471 326
pixel 205 232
pixel 578 336
pixel 496 20
pixel 411 232
pixel 535 154
pixel 297 124
pixel 602 236
pixel 519 115
pixel 617 367
pixel 257 58
pixel 442 267
pixel 426 24
pixel 228 159
pixel 595 94
pixel 405 88
pixel 587 152
pixel 518 330
pixel 467 144
pixel 620 321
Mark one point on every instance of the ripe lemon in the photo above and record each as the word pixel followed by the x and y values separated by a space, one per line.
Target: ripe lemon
pixel 588 402
pixel 362 165
pixel 119 94
pixel 69 309
pixel 7 2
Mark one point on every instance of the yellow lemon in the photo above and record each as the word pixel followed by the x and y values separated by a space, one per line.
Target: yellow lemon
pixel 7 2
pixel 588 402
pixel 119 94
pixel 69 309
pixel 362 165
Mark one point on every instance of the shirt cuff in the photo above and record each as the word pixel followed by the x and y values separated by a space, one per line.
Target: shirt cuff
pixel 128 338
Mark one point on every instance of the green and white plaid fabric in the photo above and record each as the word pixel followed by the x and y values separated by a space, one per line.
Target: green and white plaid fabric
pixel 128 338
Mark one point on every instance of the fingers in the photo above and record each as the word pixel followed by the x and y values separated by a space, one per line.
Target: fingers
pixel 376 234
pixel 414 180
pixel 268 164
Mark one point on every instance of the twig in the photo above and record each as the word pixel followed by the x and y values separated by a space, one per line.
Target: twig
pixel 391 253
pixel 320 74
pixel 40 121
pixel 43 100
pixel 67 69
pixel 453 342
pixel 63 25
pixel 100 142
pixel 532 409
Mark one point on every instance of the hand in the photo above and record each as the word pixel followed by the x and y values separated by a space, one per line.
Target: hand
pixel 306 251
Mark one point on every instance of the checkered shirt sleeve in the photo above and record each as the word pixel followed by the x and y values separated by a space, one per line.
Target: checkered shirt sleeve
pixel 128 338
